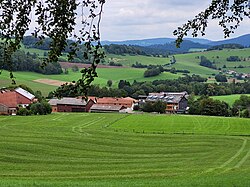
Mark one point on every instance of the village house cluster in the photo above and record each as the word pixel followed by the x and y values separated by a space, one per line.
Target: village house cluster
pixel 238 75
pixel 175 103
pixel 93 104
pixel 12 100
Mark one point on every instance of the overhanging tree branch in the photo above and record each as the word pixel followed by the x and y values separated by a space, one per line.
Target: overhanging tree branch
pixel 55 19
pixel 230 15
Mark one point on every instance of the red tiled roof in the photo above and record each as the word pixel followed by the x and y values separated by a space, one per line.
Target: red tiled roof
pixel 128 102
pixel 8 98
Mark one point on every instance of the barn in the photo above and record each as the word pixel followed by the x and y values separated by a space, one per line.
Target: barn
pixel 68 104
pixel 10 100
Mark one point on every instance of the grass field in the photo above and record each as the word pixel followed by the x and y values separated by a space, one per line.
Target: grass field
pixel 124 150
pixel 191 63
pixel 104 74
pixel 230 99
pixel 184 62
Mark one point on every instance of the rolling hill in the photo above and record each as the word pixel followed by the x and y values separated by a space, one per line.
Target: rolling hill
pixel 155 41
pixel 242 40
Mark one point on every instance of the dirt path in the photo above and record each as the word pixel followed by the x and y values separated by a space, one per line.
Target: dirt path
pixel 79 65
pixel 50 82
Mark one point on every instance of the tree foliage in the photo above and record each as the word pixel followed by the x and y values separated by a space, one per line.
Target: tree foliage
pixel 22 61
pixel 229 13
pixel 158 106
pixel 208 106
pixel 56 19
pixel 221 78
pixel 206 63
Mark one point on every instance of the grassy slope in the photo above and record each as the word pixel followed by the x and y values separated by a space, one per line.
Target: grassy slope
pixel 191 63
pixel 184 61
pixel 230 99
pixel 223 55
pixel 27 79
pixel 83 150
pixel 105 74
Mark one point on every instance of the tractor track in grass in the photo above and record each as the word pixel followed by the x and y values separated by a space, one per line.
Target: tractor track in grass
pixel 230 160
pixel 59 118
pixel 241 162
pixel 79 128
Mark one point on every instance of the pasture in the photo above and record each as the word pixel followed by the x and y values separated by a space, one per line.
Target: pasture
pixel 190 61
pixel 124 150
pixel 183 62
pixel 230 99
pixel 104 74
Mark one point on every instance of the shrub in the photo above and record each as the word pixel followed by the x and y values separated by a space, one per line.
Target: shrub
pixel 23 112
pixel 42 108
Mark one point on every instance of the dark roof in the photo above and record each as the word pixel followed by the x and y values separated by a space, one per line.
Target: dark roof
pixel 67 101
pixel 168 97
pixel 107 107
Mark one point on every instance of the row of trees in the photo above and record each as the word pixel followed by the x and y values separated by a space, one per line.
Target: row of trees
pixel 225 46
pixel 153 70
pixel 233 59
pixel 123 49
pixel 211 107
pixel 192 84
pixel 206 63
pixel 22 61
pixel 158 106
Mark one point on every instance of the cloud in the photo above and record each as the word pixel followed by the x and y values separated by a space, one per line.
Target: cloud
pixel 123 19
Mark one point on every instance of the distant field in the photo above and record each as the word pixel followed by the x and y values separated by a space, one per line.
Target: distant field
pixel 220 56
pixel 230 99
pixel 191 63
pixel 124 150
pixel 183 62
pixel 104 74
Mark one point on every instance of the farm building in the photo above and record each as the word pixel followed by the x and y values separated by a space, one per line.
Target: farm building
pixel 113 104
pixel 107 108
pixel 127 102
pixel 24 98
pixel 176 102
pixel 70 105
pixel 10 100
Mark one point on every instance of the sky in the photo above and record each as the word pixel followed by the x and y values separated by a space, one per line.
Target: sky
pixel 141 19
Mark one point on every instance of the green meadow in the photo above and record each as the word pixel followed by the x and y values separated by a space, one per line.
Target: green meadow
pixel 190 61
pixel 104 74
pixel 124 150
pixel 230 99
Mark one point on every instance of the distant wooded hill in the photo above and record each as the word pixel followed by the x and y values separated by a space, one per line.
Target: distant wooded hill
pixel 242 40
pixel 157 46
pixel 159 49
